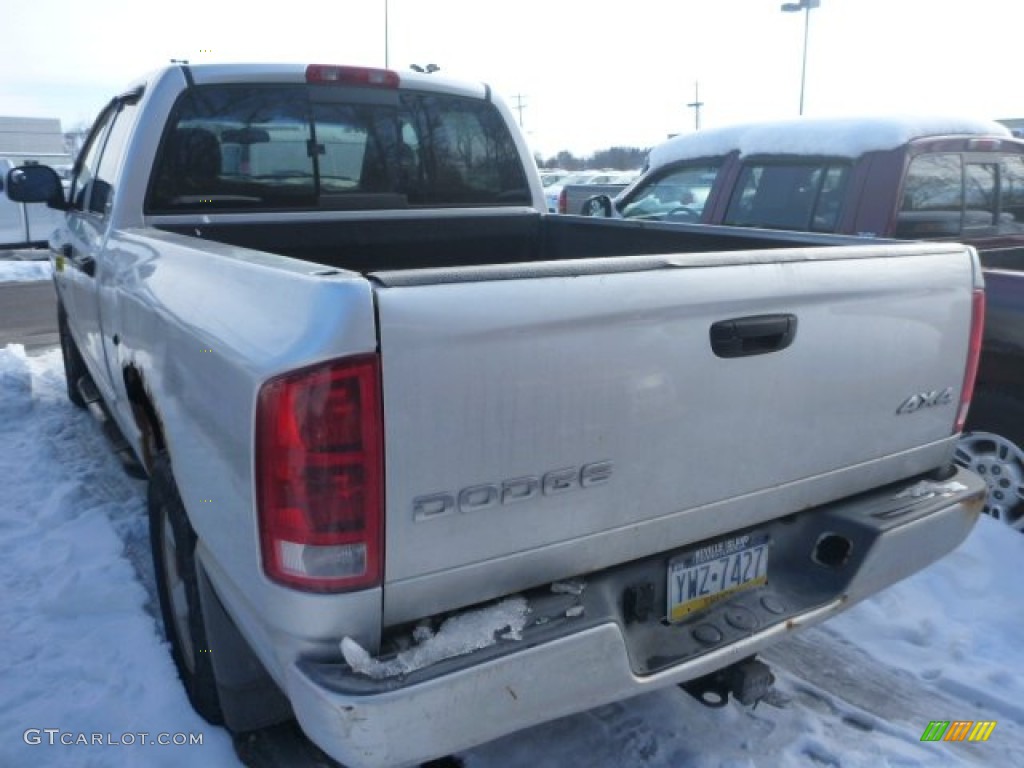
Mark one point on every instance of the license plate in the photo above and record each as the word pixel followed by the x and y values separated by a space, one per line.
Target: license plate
pixel 702 577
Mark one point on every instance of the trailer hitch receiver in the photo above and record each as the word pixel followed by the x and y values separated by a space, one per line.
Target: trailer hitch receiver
pixel 748 681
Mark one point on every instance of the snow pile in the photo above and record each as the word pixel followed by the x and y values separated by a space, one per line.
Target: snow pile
pixel 832 136
pixel 958 625
pixel 457 636
pixel 79 651
pixel 24 271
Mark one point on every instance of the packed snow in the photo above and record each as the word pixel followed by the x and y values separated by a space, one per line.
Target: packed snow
pixel 929 488
pixel 24 271
pixel 86 678
pixel 80 649
pixel 457 636
pixel 831 136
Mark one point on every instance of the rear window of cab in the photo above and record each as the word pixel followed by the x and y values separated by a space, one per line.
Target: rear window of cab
pixel 951 194
pixel 251 147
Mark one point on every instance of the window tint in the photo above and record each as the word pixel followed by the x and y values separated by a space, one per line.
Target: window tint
pixel 1011 194
pixel 458 151
pixel 81 185
pixel 678 195
pixel 110 161
pixel 236 147
pixel 251 147
pixel 830 200
pixel 980 195
pixel 797 196
pixel 356 148
pixel 932 197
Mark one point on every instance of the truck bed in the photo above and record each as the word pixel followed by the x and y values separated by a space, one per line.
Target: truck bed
pixel 389 243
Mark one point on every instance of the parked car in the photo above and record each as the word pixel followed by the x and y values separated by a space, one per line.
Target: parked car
pixel 552 191
pixel 573 196
pixel 549 176
pixel 936 178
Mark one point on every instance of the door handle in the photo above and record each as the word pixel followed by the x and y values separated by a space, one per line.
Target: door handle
pixel 755 335
pixel 82 262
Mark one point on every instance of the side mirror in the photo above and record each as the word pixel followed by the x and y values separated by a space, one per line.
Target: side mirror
pixel 35 184
pixel 598 205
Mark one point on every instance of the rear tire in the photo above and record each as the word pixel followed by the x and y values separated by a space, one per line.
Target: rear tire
pixel 74 366
pixel 174 547
pixel 993 447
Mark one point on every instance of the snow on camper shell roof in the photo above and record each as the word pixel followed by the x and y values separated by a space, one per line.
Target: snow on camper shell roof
pixel 837 137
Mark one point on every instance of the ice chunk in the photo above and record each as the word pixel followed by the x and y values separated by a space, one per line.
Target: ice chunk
pixel 356 656
pixel 459 635
pixel 931 488
pixel 422 633
pixel 574 588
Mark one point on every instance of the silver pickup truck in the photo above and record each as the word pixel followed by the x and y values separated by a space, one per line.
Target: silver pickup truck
pixel 428 465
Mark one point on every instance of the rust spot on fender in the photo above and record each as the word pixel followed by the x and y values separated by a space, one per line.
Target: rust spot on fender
pixel 144 413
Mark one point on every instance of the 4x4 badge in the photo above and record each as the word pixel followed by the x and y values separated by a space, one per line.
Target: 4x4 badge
pixel 926 400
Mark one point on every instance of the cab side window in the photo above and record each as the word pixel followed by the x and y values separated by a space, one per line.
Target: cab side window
pixel 801 196
pixel 110 160
pixel 85 167
pixel 677 195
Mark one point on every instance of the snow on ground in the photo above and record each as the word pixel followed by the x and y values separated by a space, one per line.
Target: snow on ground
pixel 24 271
pixel 81 649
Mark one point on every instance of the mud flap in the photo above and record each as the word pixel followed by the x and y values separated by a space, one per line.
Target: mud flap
pixel 249 698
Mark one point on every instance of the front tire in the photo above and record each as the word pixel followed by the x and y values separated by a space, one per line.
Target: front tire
pixel 74 366
pixel 992 446
pixel 174 547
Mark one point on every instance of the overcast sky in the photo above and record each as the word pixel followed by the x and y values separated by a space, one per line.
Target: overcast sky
pixel 592 74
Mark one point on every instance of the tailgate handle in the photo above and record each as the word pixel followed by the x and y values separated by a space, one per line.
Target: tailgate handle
pixel 757 335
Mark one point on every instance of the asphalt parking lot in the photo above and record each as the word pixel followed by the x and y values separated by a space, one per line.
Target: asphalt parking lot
pixel 28 314
pixel 28 310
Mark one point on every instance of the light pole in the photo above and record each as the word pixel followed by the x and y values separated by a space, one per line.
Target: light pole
pixel 806 6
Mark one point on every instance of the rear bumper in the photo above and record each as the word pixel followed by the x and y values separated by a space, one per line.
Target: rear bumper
pixel 566 666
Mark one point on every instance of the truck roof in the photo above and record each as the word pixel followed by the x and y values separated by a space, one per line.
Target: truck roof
pixel 834 136
pixel 204 74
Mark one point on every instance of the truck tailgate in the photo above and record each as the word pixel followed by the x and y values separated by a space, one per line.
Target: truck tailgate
pixel 539 425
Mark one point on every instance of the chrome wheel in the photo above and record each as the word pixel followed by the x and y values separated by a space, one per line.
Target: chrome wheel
pixel 1000 463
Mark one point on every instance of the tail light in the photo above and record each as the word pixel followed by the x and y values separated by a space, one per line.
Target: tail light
pixel 319 476
pixel 563 205
pixel 333 75
pixel 973 355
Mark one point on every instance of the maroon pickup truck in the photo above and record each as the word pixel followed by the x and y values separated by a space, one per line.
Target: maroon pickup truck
pixel 920 178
